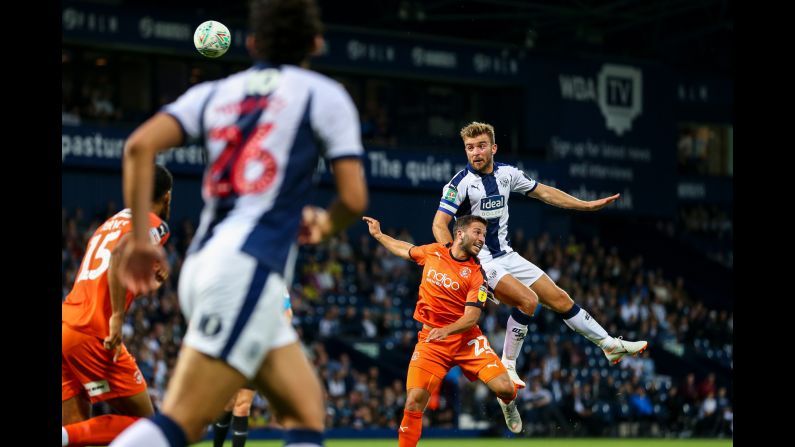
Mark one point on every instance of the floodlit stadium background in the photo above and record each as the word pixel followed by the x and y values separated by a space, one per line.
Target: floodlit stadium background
pixel 591 97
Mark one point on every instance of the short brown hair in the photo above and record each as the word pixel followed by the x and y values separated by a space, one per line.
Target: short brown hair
pixel 475 128
pixel 463 222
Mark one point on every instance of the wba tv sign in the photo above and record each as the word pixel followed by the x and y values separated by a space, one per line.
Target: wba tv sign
pixel 617 90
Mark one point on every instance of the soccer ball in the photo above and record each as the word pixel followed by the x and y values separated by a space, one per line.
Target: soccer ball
pixel 212 39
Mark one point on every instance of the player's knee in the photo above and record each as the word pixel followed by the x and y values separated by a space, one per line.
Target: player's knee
pixel 414 405
pixel 242 408
pixel 529 303
pixel 416 401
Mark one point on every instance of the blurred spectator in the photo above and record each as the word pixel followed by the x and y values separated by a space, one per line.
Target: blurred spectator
pixel 569 380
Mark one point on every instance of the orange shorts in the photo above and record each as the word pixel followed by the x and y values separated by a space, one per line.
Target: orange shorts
pixel 88 369
pixel 470 350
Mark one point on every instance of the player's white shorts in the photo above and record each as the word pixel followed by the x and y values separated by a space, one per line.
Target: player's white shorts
pixel 512 263
pixel 234 307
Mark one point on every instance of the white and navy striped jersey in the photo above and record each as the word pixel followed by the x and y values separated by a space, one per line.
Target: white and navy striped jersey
pixel 486 195
pixel 264 129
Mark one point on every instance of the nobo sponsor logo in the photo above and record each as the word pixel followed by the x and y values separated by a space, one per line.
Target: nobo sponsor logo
pixel 441 279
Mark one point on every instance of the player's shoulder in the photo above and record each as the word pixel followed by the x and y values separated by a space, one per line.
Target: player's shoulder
pixel 226 84
pixel 202 90
pixel 430 247
pixel 120 221
pixel 506 168
pixel 459 178
pixel 126 213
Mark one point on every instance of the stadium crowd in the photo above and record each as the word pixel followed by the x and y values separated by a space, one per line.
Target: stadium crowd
pixel 353 291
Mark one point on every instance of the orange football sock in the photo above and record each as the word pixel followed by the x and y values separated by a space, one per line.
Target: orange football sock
pixel 410 429
pixel 100 430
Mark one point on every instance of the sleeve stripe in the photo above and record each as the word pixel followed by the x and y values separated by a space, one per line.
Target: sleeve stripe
pixel 535 183
pixel 450 203
pixel 445 211
pixel 469 303
pixel 450 208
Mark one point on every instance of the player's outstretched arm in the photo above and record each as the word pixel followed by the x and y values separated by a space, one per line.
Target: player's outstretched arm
pixel 351 193
pixel 139 257
pixel 556 197
pixel 117 299
pixel 441 227
pixel 463 324
pixel 395 246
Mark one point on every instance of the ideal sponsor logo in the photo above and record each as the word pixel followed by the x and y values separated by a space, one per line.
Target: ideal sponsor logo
pixel 492 207
pixel 492 202
pixel 617 90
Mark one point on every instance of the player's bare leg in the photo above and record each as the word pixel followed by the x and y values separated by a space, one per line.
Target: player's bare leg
pixel 198 391
pixel 76 409
pixel 137 405
pixel 582 322
pixel 512 292
pixel 196 394
pixel 293 390
pixel 505 389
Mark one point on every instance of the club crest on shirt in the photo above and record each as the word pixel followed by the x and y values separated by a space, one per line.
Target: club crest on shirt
pixel 504 182
pixel 465 272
